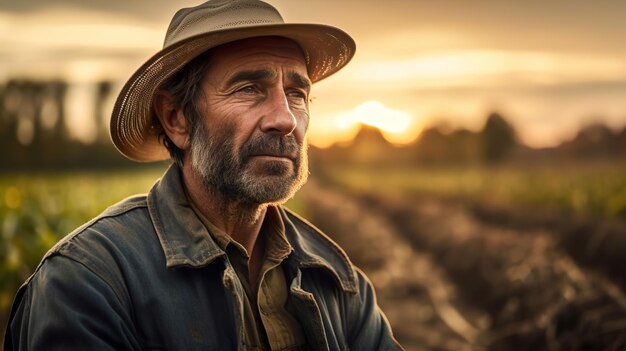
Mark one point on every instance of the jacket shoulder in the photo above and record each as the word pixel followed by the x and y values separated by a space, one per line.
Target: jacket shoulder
pixel 99 241
pixel 122 208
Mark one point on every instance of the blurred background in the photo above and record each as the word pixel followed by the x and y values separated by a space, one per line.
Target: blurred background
pixel 471 158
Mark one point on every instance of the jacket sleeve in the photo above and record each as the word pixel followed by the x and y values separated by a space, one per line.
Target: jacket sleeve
pixel 370 329
pixel 66 306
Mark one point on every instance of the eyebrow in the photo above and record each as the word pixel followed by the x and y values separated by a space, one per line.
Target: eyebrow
pixel 251 75
pixel 262 74
pixel 299 80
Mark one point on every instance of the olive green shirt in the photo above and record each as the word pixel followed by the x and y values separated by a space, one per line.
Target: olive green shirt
pixel 268 325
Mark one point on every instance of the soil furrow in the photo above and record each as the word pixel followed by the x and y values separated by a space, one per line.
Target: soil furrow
pixel 470 284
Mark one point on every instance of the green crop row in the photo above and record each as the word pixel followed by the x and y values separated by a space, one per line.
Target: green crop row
pixel 36 210
pixel 598 190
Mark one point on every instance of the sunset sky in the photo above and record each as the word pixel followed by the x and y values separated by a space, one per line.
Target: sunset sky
pixel 549 67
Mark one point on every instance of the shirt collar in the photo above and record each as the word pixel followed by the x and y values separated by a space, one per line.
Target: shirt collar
pixel 278 247
pixel 187 242
pixel 221 239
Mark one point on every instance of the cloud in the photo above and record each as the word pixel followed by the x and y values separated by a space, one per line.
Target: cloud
pixel 55 42
pixel 479 68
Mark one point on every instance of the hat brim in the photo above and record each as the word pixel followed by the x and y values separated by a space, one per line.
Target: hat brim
pixel 133 131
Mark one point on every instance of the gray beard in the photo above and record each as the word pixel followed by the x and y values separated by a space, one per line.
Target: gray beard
pixel 229 174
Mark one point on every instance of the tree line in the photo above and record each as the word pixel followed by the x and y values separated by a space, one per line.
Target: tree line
pixel 496 143
pixel 34 135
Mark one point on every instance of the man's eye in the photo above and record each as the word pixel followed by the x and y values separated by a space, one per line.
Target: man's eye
pixel 248 89
pixel 296 94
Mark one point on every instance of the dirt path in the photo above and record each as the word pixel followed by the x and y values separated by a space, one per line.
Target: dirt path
pixel 447 280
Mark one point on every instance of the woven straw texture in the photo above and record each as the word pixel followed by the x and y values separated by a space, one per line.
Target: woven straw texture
pixel 134 129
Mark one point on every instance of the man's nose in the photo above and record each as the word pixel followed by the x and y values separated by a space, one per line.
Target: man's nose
pixel 279 117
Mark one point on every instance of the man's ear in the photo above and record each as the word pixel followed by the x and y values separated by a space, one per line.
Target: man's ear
pixel 172 119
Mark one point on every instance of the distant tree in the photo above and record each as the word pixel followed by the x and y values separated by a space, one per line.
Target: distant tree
pixel 59 92
pixel 621 142
pixel 498 138
pixel 594 141
pixel 104 89
pixel 44 141
pixel 4 118
pixel 465 147
pixel 431 146
pixel 369 146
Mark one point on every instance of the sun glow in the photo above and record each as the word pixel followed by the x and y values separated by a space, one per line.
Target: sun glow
pixel 396 126
pixel 375 114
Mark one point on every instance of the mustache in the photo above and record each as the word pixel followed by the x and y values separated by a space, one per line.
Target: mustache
pixel 264 144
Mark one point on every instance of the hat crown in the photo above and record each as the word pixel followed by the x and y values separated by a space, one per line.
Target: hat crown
pixel 194 30
pixel 215 15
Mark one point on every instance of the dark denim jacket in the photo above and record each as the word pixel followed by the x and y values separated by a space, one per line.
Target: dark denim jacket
pixel 145 274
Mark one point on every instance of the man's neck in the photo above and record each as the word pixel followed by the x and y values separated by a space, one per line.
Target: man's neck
pixel 241 221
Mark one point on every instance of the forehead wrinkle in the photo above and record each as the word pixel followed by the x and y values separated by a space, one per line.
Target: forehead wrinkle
pixel 294 77
pixel 251 75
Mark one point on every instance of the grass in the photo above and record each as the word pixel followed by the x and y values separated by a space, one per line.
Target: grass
pixel 598 190
pixel 36 210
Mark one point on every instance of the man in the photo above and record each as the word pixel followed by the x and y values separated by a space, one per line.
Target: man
pixel 209 260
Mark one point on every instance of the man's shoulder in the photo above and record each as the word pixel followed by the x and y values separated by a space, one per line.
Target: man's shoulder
pixel 123 211
pixel 128 204
pixel 112 233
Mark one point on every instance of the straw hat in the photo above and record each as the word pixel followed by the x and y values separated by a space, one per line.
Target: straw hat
pixel 193 30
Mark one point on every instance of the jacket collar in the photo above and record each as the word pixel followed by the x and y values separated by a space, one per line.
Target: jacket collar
pixel 186 241
pixel 183 237
pixel 313 249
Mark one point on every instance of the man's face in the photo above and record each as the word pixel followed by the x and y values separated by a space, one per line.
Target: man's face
pixel 250 144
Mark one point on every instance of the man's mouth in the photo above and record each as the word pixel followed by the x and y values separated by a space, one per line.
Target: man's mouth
pixel 271 149
pixel 276 156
